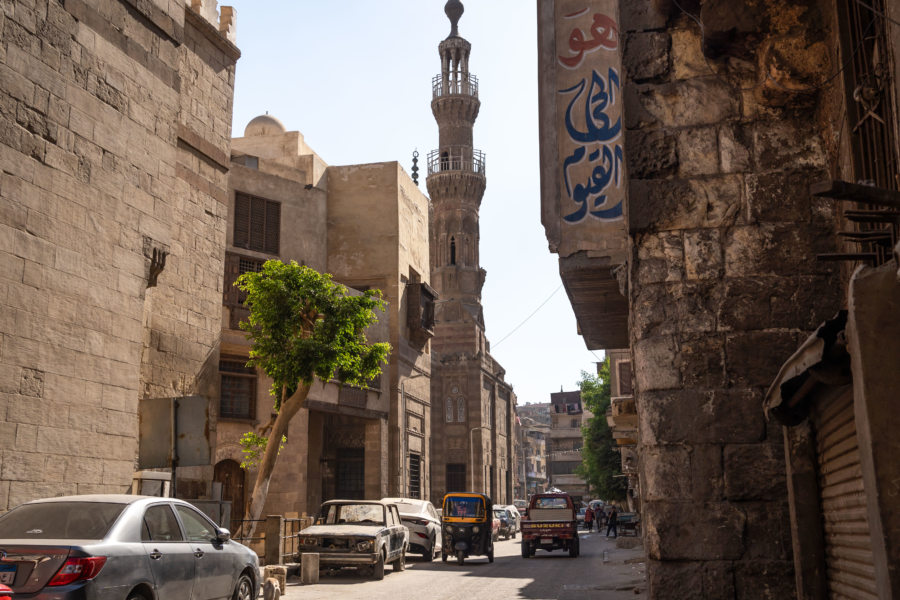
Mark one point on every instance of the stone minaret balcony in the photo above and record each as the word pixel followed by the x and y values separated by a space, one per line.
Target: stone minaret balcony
pixel 463 85
pixel 456 172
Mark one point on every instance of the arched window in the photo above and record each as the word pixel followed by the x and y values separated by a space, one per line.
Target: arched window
pixel 461 415
pixel 449 410
pixel 452 251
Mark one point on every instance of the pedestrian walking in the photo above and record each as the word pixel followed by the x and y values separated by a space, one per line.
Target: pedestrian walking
pixel 589 519
pixel 612 521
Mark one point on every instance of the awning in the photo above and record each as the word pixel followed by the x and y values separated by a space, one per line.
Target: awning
pixel 821 361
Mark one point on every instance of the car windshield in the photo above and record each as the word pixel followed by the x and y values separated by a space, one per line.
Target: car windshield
pixel 500 514
pixel 370 514
pixel 60 521
pixel 464 507
pixel 406 508
pixel 551 503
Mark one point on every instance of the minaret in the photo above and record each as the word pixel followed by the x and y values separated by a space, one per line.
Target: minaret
pixel 456 182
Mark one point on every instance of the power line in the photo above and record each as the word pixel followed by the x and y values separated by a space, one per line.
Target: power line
pixel 528 317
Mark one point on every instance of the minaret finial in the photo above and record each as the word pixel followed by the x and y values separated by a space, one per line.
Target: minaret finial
pixel 454 10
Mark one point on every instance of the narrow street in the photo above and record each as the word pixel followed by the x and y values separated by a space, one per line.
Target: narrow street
pixel 546 576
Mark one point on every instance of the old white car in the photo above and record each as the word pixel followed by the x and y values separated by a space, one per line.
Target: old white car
pixel 366 534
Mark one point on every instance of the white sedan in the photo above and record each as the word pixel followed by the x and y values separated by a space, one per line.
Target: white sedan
pixel 424 525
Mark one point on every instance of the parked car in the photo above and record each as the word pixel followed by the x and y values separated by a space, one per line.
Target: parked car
pixel 504 529
pixel 117 546
pixel 424 525
pixel 516 519
pixel 357 533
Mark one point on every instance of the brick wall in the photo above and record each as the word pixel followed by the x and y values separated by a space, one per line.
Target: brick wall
pixel 114 129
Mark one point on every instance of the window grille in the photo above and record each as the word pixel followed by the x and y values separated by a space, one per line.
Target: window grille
pixel 415 476
pixel 237 397
pixel 456 477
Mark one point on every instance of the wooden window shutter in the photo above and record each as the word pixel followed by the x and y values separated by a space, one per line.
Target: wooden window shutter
pixel 241 220
pixel 625 387
pixel 273 227
pixel 257 224
pixel 231 294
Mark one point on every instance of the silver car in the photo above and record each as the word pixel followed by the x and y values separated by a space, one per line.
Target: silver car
pixel 424 525
pixel 117 547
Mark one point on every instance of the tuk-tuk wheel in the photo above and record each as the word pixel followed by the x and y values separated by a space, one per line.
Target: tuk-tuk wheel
pixel 491 555
pixel 460 556
pixel 443 556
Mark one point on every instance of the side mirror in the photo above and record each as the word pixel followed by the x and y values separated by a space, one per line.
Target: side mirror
pixel 222 534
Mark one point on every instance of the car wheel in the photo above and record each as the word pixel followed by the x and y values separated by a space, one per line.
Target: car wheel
pixel 515 533
pixel 378 568
pixel 574 549
pixel 136 596
pixel 443 556
pixel 400 563
pixel 430 554
pixel 244 589
pixel 525 552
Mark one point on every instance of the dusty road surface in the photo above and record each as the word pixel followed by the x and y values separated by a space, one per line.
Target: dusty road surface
pixel 546 576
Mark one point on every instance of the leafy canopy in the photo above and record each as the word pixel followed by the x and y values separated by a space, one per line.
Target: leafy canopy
pixel 303 325
pixel 601 461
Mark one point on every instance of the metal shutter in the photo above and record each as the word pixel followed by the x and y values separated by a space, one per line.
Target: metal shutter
pixel 849 562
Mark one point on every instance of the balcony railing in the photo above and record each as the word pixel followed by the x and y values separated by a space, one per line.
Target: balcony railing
pixel 456 158
pixel 464 86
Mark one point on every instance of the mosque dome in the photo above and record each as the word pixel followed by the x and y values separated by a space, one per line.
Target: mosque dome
pixel 264 125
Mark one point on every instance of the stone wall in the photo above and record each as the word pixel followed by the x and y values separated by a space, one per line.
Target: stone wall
pixel 723 278
pixel 114 127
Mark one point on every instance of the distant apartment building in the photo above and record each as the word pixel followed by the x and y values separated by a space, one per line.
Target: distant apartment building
pixel 533 447
pixel 567 416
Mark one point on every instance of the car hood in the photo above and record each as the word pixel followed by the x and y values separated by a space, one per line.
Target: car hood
pixel 348 530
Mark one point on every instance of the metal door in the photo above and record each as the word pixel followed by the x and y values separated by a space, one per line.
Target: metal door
pixel 351 474
pixel 850 566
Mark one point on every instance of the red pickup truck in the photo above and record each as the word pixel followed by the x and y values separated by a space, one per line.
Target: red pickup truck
pixel 551 525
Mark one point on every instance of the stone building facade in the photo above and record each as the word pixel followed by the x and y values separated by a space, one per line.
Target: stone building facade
pixel 473 422
pixel 114 135
pixel 367 225
pixel 533 450
pixel 698 254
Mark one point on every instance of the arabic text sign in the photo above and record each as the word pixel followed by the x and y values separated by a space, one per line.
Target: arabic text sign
pixel 589 105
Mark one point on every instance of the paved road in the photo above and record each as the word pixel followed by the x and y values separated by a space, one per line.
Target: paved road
pixel 546 576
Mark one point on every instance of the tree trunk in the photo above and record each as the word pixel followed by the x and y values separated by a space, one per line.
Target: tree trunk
pixel 289 408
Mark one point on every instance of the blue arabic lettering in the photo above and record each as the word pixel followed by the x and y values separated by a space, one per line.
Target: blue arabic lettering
pixel 608 157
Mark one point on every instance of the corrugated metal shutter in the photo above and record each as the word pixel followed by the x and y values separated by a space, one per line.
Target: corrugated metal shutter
pixel 848 546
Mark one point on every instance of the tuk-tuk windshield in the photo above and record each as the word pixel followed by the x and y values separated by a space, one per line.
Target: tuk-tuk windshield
pixel 471 508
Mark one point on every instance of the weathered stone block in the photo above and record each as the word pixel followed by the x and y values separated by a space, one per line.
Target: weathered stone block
pixel 660 258
pixel 698 152
pixel 764 580
pixel 755 357
pixel 780 249
pixel 702 361
pixel 694 417
pixel 754 472
pixel 667 473
pixel 646 56
pixel 671 308
pixel 655 368
pixel 23 491
pixel 26 438
pixel 675 531
pixel 782 196
pixel 650 155
pixel 22 466
pixel 703 254
pixel 642 15
pixel 688 103
pixel 734 149
pixel 768 534
pixel 711 580
pixel 784 144
pixel 755 303
pixel 661 205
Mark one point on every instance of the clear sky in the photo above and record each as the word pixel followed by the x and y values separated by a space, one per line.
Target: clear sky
pixel 355 78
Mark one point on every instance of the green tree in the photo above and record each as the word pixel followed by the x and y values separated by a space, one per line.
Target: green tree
pixel 302 326
pixel 601 463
